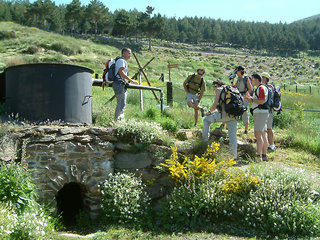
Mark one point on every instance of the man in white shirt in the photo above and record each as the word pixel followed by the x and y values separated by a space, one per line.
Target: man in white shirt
pixel 119 84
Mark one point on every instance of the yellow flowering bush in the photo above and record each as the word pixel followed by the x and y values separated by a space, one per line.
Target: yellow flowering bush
pixel 238 181
pixel 193 168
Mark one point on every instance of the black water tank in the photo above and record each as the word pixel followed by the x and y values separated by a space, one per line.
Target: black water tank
pixel 2 87
pixel 46 91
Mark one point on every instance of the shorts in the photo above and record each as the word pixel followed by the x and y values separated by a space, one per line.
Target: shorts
pixel 270 120
pixel 192 98
pixel 260 121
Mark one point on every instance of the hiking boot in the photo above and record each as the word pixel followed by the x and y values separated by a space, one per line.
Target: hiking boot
pixel 264 157
pixel 258 157
pixel 272 148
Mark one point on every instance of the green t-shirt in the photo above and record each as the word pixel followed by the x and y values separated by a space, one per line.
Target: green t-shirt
pixel 195 84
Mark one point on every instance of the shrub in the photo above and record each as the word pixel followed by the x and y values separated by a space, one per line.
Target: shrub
pixel 183 208
pixel 282 206
pixel 152 113
pixel 7 35
pixel 16 187
pixel 138 131
pixel 32 224
pixel 31 50
pixel 169 124
pixel 62 48
pixel 8 219
pixel 124 199
pixel 283 120
pixel 194 168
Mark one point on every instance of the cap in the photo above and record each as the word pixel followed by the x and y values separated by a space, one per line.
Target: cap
pixel 239 68
pixel 265 74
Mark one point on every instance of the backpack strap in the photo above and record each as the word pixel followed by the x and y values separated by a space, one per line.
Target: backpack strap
pixel 191 79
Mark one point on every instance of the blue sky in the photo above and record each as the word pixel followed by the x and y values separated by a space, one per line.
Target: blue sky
pixel 272 11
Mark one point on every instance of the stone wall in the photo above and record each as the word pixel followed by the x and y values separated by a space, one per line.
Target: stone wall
pixel 58 155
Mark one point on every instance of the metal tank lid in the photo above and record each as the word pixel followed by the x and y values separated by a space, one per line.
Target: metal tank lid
pixel 57 64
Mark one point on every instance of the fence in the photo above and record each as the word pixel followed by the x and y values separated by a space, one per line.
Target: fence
pixel 178 95
pixel 302 89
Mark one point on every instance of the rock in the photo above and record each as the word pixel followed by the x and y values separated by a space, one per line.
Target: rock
pixel 109 138
pixel 83 138
pixel 185 134
pixel 132 160
pixel 123 146
pixel 67 137
pixel 101 131
pixel 72 130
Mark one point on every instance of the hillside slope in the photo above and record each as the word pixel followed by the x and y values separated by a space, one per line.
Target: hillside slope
pixel 19 44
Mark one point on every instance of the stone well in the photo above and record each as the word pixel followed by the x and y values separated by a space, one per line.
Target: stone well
pixel 68 163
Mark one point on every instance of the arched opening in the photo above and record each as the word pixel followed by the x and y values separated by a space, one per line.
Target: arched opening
pixel 70 202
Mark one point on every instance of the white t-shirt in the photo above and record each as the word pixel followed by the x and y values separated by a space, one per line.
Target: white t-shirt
pixel 121 63
pixel 262 94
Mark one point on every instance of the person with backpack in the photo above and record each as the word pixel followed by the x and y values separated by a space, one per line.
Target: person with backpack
pixel 195 86
pixel 265 80
pixel 243 83
pixel 260 111
pixel 217 113
pixel 119 83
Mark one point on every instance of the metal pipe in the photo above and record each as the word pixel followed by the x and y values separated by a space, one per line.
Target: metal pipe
pixel 98 82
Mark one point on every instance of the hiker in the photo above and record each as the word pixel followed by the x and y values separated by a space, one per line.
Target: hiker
pixel 265 80
pixel 243 83
pixel 217 114
pixel 195 86
pixel 260 113
pixel 119 84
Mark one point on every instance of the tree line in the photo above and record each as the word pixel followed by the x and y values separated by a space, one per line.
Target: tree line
pixel 95 18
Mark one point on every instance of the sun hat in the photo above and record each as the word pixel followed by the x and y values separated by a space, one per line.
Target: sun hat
pixel 265 74
pixel 239 68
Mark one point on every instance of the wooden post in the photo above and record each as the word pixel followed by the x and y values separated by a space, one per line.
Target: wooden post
pixel 171 66
pixel 310 89
pixel 296 88
pixel 284 87
pixel 145 76
pixel 169 94
pixel 141 95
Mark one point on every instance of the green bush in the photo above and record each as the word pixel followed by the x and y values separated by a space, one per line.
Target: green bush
pixel 282 206
pixel 138 131
pixel 182 209
pixel 283 120
pixel 32 224
pixel 124 200
pixel 153 113
pixel 62 48
pixel 8 219
pixel 275 203
pixel 31 50
pixel 16 187
pixel 169 124
pixel 7 35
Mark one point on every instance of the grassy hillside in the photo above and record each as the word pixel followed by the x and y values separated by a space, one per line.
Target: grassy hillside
pixel 309 18
pixel 28 45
